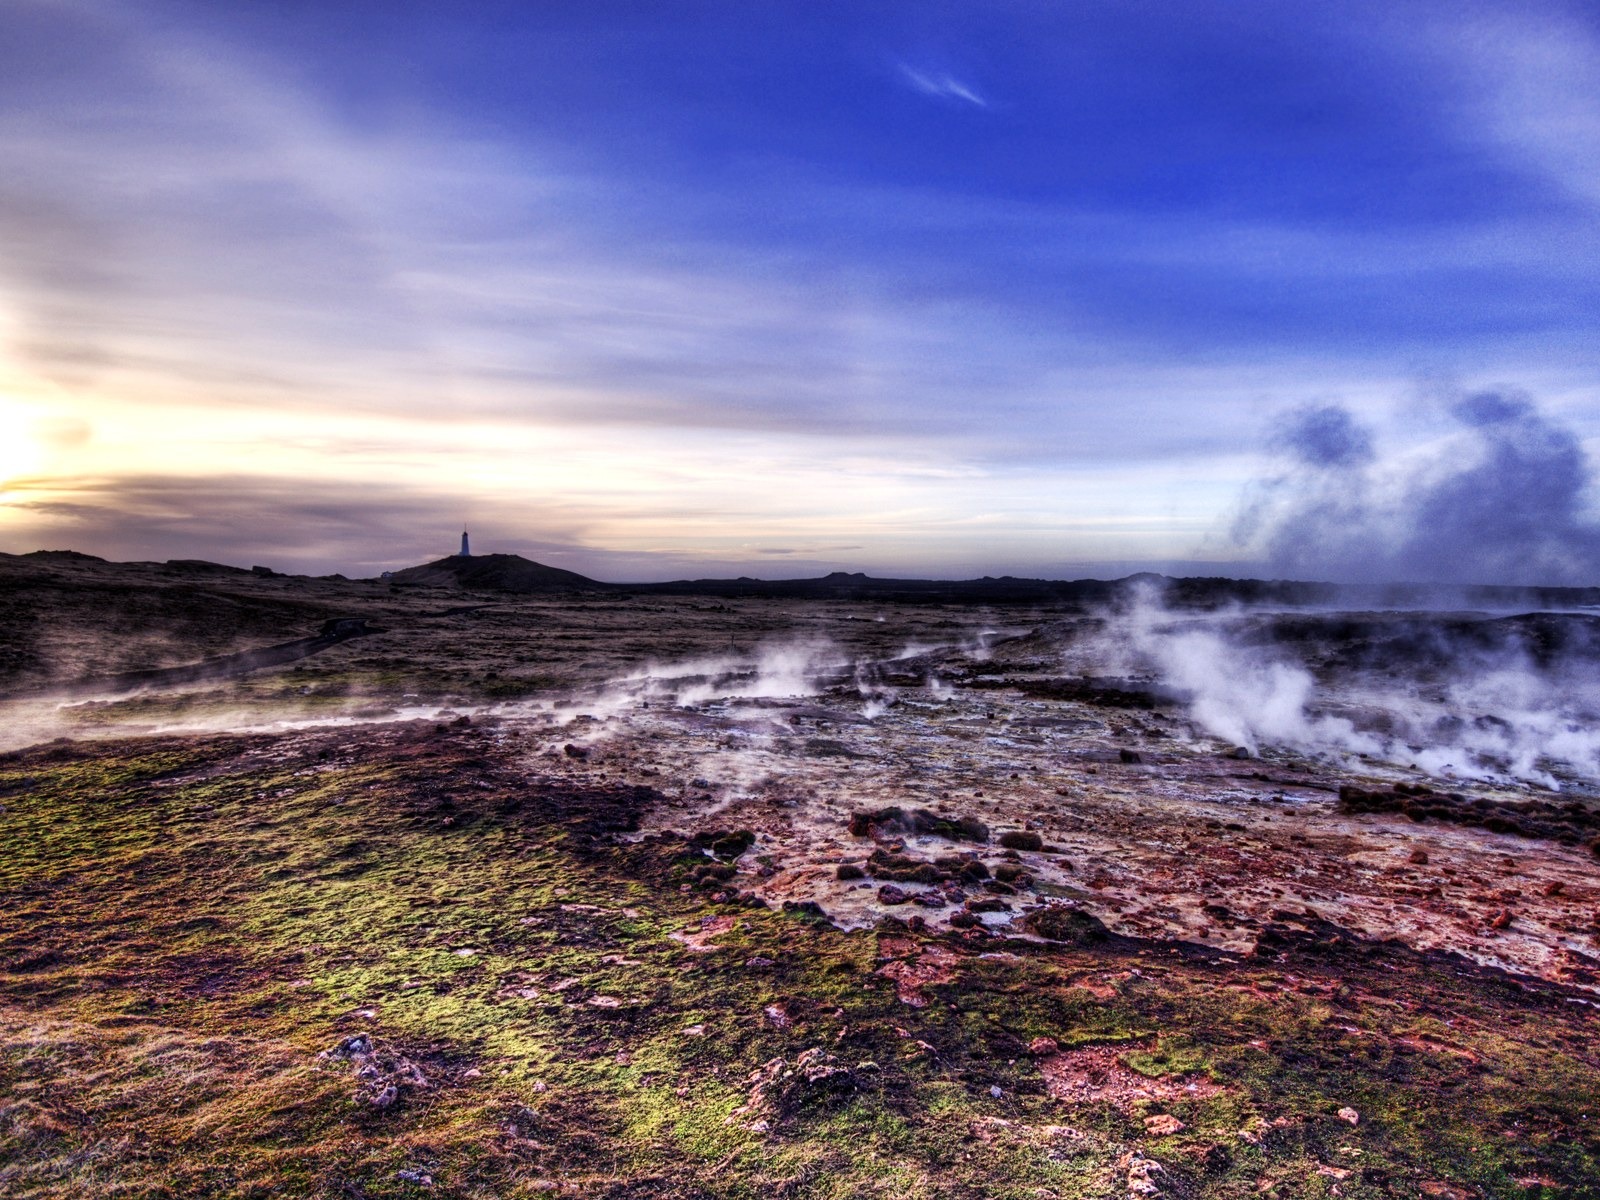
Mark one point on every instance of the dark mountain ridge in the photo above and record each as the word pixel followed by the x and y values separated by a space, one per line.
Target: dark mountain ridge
pixel 512 574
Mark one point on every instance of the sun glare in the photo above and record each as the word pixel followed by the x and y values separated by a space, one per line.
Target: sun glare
pixel 20 451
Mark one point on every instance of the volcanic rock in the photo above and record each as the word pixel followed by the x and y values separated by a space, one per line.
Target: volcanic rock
pixel 1021 839
pixel 919 821
pixel 1058 923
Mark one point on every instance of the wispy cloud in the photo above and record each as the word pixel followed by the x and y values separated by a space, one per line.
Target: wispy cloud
pixel 1526 81
pixel 941 85
pixel 745 298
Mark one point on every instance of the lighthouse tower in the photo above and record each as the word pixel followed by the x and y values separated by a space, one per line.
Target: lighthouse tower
pixel 466 552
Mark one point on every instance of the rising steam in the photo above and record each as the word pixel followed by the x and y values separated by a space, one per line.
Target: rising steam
pixel 1503 500
pixel 1477 697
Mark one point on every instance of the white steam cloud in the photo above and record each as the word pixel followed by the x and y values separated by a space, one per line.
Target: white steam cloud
pixel 1459 706
pixel 1507 498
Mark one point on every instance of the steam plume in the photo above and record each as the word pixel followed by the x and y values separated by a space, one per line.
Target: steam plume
pixel 1509 698
pixel 1503 501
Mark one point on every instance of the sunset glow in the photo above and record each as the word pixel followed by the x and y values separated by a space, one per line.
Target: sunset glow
pixel 968 289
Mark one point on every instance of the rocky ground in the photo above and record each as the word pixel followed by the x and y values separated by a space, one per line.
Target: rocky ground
pixel 679 896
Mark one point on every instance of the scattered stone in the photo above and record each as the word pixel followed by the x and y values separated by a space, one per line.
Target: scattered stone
pixel 1142 1175
pixel 928 899
pixel 980 904
pixel 578 752
pixel 383 1076
pixel 818 1067
pixel 934 966
pixel 1021 839
pixel 1059 923
pixel 955 829
pixel 779 1088
pixel 759 961
pixel 1041 1046
pixel 1163 1125
pixel 850 871
pixel 1350 1114
pixel 1568 822
pixel 412 1175
pixel 734 844
pixel 902 868
pixel 1501 919
pixel 777 1016
pixel 805 908
pixel 995 1091
pixel 1419 856
pixel 891 893
pixel 723 843
pixel 356 1045
pixel 1129 756
pixel 920 821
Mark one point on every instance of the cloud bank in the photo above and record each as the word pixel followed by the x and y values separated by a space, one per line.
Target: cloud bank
pixel 700 271
pixel 1506 498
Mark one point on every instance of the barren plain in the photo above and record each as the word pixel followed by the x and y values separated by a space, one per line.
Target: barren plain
pixel 624 894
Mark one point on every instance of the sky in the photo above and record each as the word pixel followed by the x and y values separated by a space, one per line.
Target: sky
pixel 651 290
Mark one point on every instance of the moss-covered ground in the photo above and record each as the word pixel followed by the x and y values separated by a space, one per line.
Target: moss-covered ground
pixel 192 928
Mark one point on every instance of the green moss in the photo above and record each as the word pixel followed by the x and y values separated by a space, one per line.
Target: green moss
pixel 196 920
pixel 1170 1057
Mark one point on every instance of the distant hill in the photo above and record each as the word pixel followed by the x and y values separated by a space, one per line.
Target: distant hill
pixel 842 585
pixel 497 573
pixel 513 574
pixel 1004 589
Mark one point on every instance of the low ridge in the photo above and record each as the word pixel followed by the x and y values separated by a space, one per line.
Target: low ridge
pixel 498 573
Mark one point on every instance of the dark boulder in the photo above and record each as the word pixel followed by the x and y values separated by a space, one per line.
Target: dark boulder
pixel 1058 923
pixel 1021 839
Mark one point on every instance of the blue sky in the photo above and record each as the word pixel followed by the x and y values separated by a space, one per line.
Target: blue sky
pixel 650 290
